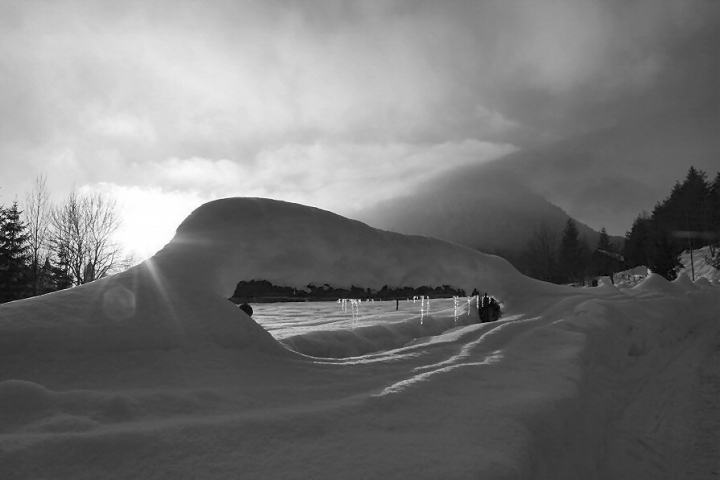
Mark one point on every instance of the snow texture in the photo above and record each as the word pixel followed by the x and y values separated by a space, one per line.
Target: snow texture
pixel 152 373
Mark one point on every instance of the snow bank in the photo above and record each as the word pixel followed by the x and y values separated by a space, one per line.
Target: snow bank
pixel 656 283
pixel 154 374
pixel 288 244
pixel 143 308
pixel 696 266
pixel 699 263
pixel 178 297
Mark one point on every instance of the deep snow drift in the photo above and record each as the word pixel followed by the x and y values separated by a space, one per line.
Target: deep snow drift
pixel 698 265
pixel 177 298
pixel 153 373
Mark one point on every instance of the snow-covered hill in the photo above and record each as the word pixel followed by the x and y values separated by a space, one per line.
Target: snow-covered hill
pixel 154 374
pixel 178 297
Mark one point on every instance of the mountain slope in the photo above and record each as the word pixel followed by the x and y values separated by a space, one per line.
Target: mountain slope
pixel 608 176
pixel 605 177
pixel 480 207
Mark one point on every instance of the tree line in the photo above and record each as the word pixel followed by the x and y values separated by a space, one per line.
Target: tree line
pixel 46 247
pixel 689 218
pixel 568 257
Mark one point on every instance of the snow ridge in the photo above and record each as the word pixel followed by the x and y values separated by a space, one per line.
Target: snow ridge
pixel 177 298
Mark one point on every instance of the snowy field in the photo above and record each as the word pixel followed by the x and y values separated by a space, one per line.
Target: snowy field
pixel 283 320
pixel 352 327
pixel 153 374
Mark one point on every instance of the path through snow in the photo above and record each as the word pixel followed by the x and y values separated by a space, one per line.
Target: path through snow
pixel 669 427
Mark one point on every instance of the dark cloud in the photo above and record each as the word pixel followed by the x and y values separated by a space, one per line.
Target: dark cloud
pixel 90 88
pixel 398 70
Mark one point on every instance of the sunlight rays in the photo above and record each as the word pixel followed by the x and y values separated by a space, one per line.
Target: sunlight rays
pixel 160 286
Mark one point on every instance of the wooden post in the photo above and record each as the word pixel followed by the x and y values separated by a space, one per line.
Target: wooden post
pixel 692 263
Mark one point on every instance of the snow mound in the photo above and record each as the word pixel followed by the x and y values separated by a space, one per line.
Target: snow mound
pixel 699 265
pixel 293 245
pixel 178 298
pixel 656 283
pixel 683 281
pixel 26 406
pixel 606 287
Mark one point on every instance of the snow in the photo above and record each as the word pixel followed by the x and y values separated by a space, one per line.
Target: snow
pixel 153 373
pixel 701 267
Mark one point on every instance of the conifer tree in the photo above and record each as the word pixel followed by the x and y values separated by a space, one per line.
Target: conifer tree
pixel 14 255
pixel 604 241
pixel 684 214
pixel 605 258
pixel 637 242
pixel 713 210
pixel 574 254
pixel 540 255
pixel 664 253
pixel 685 219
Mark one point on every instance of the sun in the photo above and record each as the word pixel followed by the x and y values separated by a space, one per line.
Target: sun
pixel 150 217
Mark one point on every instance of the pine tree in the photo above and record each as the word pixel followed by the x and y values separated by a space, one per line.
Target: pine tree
pixel 664 252
pixel 679 222
pixel 649 243
pixel 60 270
pixel 14 255
pixel 604 241
pixel 540 255
pixel 685 213
pixel 713 209
pixel 573 257
pixel 637 242
pixel 605 258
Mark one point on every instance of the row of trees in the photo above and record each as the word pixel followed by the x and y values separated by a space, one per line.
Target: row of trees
pixel 569 258
pixel 687 219
pixel 47 247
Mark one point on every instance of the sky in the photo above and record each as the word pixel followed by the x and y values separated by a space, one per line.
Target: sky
pixel 169 104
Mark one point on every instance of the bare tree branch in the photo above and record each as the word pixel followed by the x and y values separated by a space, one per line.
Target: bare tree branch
pixel 82 234
pixel 37 215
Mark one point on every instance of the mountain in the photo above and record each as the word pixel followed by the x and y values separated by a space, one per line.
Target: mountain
pixel 604 177
pixel 480 207
pixel 608 176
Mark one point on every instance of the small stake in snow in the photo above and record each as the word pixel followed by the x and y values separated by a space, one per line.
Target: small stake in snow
pixel 692 262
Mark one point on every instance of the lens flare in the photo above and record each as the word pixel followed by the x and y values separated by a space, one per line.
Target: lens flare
pixel 118 303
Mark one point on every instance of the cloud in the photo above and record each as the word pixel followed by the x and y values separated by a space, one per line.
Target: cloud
pixel 338 176
pixel 327 103
pixel 209 81
pixel 341 177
